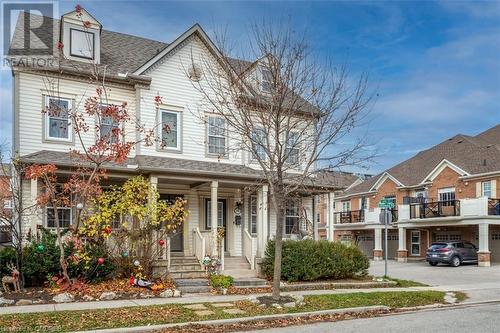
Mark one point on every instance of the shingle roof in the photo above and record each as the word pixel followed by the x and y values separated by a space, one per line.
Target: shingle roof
pixel 145 163
pixel 120 53
pixel 474 154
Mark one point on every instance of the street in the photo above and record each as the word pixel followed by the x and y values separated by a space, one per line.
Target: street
pixel 480 318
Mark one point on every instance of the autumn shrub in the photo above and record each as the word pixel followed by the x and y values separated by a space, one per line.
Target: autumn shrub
pixel 89 262
pixel 221 281
pixel 310 260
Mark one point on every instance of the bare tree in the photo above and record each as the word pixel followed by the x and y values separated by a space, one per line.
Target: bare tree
pixel 287 113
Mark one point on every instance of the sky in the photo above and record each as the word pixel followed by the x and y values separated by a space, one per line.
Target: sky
pixel 435 66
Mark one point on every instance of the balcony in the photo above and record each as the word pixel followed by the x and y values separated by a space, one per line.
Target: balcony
pixel 351 216
pixel 493 206
pixel 362 216
pixel 434 209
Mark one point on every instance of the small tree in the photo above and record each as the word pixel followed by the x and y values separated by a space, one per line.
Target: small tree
pixel 145 221
pixel 289 112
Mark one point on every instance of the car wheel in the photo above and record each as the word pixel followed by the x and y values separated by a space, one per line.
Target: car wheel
pixel 432 263
pixel 455 261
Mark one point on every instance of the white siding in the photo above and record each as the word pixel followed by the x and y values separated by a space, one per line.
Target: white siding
pixel 32 88
pixel 192 221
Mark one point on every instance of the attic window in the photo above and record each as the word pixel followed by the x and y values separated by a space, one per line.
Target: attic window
pixel 81 43
pixel 265 84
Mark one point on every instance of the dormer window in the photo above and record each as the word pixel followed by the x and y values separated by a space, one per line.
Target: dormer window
pixel 81 43
pixel 266 80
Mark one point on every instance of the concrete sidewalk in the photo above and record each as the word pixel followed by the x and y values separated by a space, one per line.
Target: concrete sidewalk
pixel 185 299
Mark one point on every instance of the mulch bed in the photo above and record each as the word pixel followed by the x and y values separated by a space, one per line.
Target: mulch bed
pixel 42 295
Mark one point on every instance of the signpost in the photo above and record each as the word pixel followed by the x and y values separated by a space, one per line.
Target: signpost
pixel 386 217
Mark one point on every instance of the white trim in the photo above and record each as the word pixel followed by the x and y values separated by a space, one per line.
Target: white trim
pixel 412 243
pixel 179 128
pixel 382 179
pixel 225 136
pixel 440 167
pixel 47 119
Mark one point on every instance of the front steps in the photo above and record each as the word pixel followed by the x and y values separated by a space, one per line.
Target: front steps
pixel 190 286
pixel 250 282
pixel 186 268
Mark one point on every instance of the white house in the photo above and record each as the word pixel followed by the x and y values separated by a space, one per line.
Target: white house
pixel 196 162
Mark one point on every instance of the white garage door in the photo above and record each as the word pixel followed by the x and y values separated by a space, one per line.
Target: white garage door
pixel 495 246
pixel 365 243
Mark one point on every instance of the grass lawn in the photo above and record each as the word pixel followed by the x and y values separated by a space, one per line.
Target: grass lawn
pixel 64 321
pixel 406 283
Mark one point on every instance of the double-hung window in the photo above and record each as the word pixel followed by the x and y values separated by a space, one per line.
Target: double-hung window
pixel 216 135
pixel 447 196
pixel 291 215
pixel 64 214
pixel 486 189
pixel 57 126
pixel 208 214
pixel 292 149
pixel 170 129
pixel 110 126
pixel 346 206
pixel 259 143
pixel 253 214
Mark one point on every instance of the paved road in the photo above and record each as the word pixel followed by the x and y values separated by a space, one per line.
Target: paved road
pixel 482 318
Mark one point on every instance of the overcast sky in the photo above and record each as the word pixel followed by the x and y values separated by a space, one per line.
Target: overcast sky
pixel 435 65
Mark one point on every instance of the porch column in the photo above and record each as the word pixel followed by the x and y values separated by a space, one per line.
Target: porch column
pixel 402 251
pixel 213 215
pixel 377 250
pixel 483 255
pixel 330 216
pixel 262 220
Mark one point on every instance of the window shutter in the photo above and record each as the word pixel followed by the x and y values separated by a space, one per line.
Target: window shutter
pixel 494 189
pixel 479 189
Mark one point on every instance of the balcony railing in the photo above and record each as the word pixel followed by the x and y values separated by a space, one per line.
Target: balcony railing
pixel 493 206
pixel 351 216
pixel 435 209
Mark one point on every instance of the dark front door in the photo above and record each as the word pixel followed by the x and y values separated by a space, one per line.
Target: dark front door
pixel 176 239
pixel 221 217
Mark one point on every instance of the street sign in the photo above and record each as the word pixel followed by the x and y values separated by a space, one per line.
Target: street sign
pixel 386 203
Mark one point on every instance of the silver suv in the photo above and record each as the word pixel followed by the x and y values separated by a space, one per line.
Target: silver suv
pixel 453 253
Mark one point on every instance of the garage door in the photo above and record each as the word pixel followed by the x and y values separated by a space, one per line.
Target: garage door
pixel 495 246
pixel 392 245
pixel 365 243
pixel 444 237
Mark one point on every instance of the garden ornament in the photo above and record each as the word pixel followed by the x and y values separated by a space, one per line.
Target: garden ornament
pixel 12 279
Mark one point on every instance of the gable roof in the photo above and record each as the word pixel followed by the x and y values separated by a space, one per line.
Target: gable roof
pixel 470 154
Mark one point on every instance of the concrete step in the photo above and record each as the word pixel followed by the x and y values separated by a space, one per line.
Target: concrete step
pixel 184 267
pixel 188 274
pixel 249 282
pixel 183 260
pixel 194 289
pixel 191 282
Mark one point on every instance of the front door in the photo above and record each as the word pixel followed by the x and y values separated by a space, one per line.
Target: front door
pixel 221 217
pixel 177 238
pixel 415 243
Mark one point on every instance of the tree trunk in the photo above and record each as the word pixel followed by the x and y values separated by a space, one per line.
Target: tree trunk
pixel 280 216
pixel 62 259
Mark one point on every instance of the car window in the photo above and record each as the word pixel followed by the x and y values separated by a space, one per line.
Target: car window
pixel 469 246
pixel 458 245
pixel 435 246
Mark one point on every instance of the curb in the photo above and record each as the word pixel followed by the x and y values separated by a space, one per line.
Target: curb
pixel 149 328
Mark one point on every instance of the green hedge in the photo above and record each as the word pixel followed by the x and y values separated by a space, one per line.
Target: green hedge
pixel 309 260
pixel 221 281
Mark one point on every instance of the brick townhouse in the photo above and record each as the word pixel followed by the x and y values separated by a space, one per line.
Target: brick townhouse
pixel 448 192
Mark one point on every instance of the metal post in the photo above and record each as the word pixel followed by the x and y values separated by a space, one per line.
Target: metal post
pixel 386 220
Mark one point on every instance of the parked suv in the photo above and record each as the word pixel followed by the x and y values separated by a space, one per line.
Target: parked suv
pixel 453 253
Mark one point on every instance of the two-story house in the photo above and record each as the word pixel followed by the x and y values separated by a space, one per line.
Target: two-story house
pixel 194 163
pixel 448 192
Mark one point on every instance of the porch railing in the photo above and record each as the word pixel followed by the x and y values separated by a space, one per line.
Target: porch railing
pixel 435 209
pixel 493 206
pixel 198 245
pixel 351 216
pixel 248 248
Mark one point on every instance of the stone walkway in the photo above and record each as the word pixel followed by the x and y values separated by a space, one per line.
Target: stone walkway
pixel 185 299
